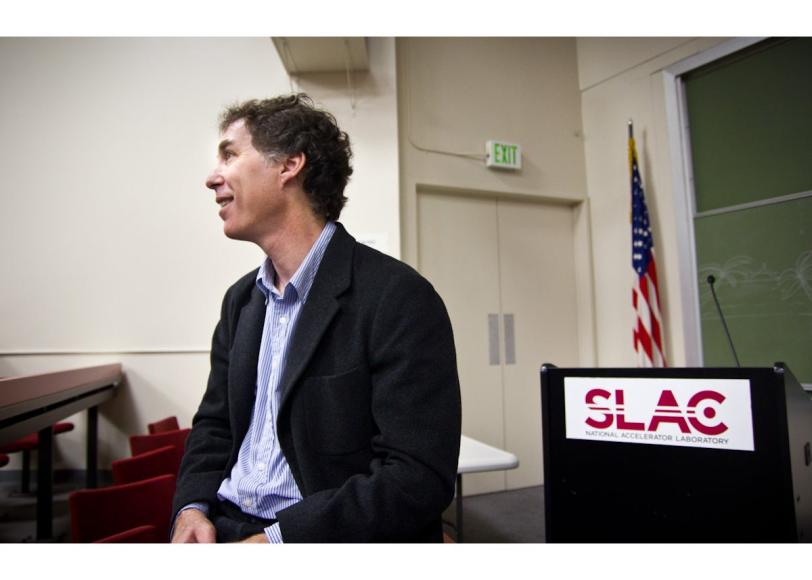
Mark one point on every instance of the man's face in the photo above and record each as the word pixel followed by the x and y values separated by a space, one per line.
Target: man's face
pixel 246 185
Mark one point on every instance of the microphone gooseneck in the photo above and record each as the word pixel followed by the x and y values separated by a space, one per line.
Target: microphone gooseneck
pixel 711 280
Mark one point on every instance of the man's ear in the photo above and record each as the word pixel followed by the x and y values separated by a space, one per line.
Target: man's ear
pixel 292 167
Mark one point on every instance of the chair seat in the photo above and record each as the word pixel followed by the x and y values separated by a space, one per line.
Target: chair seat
pixel 28 444
pixel 31 442
pixel 140 535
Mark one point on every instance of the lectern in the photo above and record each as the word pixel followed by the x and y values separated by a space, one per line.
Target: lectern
pixel 676 455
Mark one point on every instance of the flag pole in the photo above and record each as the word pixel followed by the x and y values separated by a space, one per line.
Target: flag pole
pixel 631 129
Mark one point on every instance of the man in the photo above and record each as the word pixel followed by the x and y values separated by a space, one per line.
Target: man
pixel 332 411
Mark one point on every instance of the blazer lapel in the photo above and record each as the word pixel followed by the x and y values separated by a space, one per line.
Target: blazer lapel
pixel 242 373
pixel 332 278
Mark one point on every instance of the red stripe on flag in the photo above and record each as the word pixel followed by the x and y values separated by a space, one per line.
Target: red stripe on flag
pixel 643 338
pixel 656 324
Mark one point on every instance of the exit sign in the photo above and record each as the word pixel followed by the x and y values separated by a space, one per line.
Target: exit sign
pixel 503 155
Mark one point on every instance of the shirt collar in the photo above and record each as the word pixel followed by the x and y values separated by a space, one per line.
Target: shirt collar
pixel 302 279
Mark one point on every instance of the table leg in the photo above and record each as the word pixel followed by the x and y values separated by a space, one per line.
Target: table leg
pixel 26 485
pixel 92 457
pixel 45 484
pixel 459 508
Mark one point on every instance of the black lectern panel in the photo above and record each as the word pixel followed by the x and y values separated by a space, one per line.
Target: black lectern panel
pixel 680 470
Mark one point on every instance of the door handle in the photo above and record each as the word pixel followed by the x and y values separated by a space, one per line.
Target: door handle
pixel 493 339
pixel 510 340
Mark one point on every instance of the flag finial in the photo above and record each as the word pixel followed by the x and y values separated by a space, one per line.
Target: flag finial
pixel 631 129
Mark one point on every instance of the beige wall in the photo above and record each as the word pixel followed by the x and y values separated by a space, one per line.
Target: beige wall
pixel 113 247
pixel 621 79
pixel 456 93
pixel 372 212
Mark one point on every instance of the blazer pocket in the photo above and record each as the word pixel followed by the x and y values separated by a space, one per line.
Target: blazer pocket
pixel 339 414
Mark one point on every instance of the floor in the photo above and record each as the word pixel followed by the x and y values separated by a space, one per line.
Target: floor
pixel 506 517
pixel 18 513
pixel 514 517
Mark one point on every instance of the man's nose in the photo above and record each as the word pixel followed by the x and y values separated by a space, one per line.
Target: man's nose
pixel 213 180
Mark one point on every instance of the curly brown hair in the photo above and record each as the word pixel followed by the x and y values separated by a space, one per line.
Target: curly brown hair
pixel 291 124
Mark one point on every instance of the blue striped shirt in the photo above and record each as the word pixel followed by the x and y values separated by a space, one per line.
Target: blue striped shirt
pixel 261 482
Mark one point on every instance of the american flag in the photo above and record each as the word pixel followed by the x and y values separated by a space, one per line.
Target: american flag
pixel 648 330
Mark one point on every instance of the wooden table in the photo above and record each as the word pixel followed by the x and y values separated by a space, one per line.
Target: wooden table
pixel 33 403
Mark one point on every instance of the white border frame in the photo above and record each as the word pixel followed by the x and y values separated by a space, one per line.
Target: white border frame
pixel 683 187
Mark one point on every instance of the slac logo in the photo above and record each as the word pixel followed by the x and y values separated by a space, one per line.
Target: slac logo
pixel 699 413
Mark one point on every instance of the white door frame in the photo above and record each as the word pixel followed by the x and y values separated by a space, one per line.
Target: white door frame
pixel 683 187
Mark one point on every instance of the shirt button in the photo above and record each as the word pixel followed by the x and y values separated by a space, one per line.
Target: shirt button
pixel 247 502
pixel 283 319
pixel 261 466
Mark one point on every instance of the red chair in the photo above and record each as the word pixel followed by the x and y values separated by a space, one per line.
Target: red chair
pixel 139 535
pixel 161 461
pixel 97 514
pixel 164 425
pixel 143 443
pixel 3 459
pixel 28 444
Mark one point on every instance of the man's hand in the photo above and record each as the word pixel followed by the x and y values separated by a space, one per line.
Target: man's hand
pixel 255 539
pixel 193 527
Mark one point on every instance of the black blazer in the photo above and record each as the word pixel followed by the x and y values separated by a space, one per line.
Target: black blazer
pixel 369 419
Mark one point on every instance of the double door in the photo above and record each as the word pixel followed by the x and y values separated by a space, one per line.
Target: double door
pixel 506 272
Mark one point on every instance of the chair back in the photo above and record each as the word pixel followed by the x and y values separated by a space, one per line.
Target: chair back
pixel 103 512
pixel 162 461
pixel 143 443
pixel 164 425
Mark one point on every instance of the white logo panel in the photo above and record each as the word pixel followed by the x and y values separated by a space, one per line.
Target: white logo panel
pixel 710 413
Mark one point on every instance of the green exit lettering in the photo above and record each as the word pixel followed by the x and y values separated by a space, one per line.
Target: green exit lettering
pixel 505 155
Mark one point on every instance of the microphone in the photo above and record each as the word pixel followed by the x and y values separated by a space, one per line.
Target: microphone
pixel 711 281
